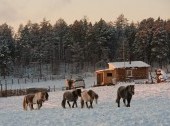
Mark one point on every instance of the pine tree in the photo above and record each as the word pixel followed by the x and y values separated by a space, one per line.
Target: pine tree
pixel 7 49
pixel 143 39
pixel 159 43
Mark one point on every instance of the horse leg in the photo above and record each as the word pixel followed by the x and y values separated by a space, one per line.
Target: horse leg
pixel 128 100
pixel 63 103
pixel 30 105
pixel 118 101
pixel 39 104
pixel 91 102
pixel 124 101
pixel 76 103
pixel 73 105
pixel 25 106
pixel 82 103
pixel 69 104
pixel 87 105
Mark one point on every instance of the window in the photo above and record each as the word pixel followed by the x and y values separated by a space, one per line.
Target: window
pixel 109 74
pixel 129 73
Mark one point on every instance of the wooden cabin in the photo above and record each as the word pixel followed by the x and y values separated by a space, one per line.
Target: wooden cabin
pixel 122 71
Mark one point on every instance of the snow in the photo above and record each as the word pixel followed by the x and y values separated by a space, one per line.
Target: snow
pixel 150 106
pixel 133 64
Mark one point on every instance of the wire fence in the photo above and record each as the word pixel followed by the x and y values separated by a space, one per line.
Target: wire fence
pixel 18 86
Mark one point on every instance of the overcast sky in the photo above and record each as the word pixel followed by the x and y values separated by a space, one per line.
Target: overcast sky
pixel 15 12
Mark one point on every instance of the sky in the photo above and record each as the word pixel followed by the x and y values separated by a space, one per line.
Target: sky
pixel 16 12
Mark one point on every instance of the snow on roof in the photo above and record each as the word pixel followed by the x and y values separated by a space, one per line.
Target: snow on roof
pixel 127 64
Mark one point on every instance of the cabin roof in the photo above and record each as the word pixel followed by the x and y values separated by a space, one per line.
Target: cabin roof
pixel 128 64
pixel 103 70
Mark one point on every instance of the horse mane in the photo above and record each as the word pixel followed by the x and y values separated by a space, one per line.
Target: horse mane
pixel 130 86
pixel 46 95
pixel 92 94
pixel 76 92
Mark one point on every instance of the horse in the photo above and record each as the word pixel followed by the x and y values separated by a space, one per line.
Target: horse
pixel 69 84
pixel 71 96
pixel 126 94
pixel 37 98
pixel 88 96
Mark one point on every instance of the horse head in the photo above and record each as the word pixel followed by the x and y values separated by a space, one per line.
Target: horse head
pixel 44 96
pixel 131 89
pixel 77 92
pixel 93 95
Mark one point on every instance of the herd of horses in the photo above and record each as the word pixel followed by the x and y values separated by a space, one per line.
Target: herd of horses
pixel 87 96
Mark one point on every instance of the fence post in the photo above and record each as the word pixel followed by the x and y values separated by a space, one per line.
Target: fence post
pixel 18 81
pixel 54 88
pixel 1 88
pixel 25 80
pixel 6 88
pixel 49 89
pixel 12 81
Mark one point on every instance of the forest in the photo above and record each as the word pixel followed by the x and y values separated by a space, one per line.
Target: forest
pixel 82 46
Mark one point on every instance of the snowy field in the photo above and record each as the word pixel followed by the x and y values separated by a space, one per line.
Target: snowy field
pixel 150 106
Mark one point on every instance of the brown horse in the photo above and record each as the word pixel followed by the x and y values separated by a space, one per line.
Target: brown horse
pixel 88 96
pixel 71 96
pixel 37 98
pixel 126 94
pixel 69 84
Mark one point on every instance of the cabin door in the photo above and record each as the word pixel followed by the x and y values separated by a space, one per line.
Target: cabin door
pixel 99 78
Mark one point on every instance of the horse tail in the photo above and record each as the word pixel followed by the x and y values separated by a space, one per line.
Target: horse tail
pixel 96 97
pixel 118 94
pixel 25 103
pixel 63 103
pixel 116 100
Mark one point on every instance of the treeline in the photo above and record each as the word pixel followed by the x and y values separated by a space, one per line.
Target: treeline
pixel 83 43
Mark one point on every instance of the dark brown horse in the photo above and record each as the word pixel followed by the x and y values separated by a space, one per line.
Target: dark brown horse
pixel 88 96
pixel 71 96
pixel 69 84
pixel 37 98
pixel 126 94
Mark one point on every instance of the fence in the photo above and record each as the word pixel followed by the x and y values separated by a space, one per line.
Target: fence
pixel 5 92
pixel 17 86
pixel 7 85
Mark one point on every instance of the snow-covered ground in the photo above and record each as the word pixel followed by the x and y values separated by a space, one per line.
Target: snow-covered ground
pixel 150 106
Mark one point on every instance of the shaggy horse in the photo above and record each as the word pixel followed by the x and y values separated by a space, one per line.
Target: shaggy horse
pixel 69 83
pixel 71 96
pixel 126 94
pixel 88 96
pixel 37 98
